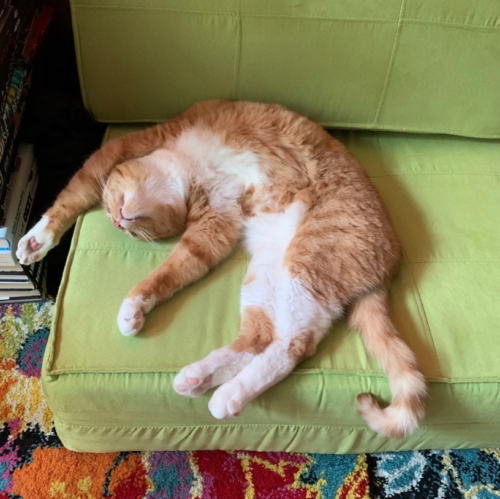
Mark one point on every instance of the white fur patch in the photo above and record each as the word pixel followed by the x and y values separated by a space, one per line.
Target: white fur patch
pixel 268 235
pixel 224 172
pixel 36 243
pixel 131 314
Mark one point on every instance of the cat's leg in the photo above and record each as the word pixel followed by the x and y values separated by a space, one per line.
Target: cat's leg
pixel 299 324
pixel 255 334
pixel 216 368
pixel 85 189
pixel 205 243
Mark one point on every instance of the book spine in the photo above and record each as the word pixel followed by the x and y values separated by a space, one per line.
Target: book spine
pixel 13 98
pixel 12 286
pixel 8 38
pixel 18 301
pixel 27 204
pixel 6 73
pixel 9 125
pixel 37 273
pixel 7 177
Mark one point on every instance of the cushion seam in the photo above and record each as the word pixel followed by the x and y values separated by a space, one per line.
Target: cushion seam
pixel 132 8
pixel 452 261
pixel 237 53
pixel 303 372
pixel 300 372
pixel 231 13
pixel 392 59
pixel 423 315
pixel 265 425
pixel 450 24
pixel 434 173
pixel 215 426
pixel 76 36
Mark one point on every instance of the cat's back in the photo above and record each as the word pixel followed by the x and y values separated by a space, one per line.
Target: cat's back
pixel 291 148
pixel 253 124
pixel 286 149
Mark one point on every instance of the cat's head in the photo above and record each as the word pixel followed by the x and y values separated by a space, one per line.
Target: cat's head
pixel 144 200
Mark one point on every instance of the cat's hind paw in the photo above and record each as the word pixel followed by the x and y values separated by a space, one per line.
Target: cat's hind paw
pixel 192 381
pixel 130 317
pixel 226 402
pixel 36 243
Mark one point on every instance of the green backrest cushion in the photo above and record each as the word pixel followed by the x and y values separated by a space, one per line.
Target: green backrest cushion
pixel 428 66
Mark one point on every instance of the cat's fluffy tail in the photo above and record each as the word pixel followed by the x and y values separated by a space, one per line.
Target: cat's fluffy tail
pixel 370 317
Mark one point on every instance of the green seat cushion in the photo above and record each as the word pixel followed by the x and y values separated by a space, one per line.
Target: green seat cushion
pixel 428 66
pixel 109 392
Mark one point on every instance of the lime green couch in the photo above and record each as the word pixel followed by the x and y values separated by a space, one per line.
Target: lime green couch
pixel 374 71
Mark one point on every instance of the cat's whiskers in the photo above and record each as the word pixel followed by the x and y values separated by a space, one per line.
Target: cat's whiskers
pixel 147 237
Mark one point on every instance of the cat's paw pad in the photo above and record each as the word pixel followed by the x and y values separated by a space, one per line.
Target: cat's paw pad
pixel 226 403
pixel 36 243
pixel 130 317
pixel 192 381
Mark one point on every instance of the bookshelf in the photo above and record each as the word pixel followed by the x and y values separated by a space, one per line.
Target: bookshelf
pixel 23 24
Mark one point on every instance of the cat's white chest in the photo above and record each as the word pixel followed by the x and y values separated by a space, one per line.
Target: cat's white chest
pixel 225 172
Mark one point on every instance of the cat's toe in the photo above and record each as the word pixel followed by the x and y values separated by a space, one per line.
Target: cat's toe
pixel 130 317
pixel 34 244
pixel 191 381
pixel 225 403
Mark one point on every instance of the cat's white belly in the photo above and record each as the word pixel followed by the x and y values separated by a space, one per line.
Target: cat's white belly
pixel 271 233
pixel 267 237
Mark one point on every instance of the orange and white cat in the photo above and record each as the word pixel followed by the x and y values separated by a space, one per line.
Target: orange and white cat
pixel 320 239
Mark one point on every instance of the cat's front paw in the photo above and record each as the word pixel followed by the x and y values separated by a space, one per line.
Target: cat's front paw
pixel 36 243
pixel 227 401
pixel 131 315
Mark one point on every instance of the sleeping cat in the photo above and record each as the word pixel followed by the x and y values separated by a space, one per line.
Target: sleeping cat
pixel 320 239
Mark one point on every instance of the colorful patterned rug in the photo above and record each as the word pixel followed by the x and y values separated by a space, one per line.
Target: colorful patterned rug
pixel 34 465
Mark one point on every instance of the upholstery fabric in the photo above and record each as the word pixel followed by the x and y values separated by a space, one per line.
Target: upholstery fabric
pixel 428 66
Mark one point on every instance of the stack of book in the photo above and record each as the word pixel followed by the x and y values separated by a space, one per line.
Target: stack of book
pixel 22 27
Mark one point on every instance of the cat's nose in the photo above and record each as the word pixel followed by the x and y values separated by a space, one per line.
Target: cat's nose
pixel 123 217
pixel 117 221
